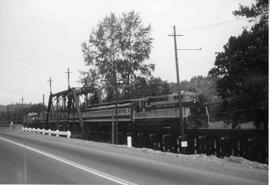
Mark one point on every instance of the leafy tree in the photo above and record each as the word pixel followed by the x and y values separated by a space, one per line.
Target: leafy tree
pixel 159 87
pixel 15 113
pixel 119 46
pixel 143 87
pixel 140 88
pixel 205 87
pixel 242 68
pixel 91 85
pixel 38 108
pixel 136 44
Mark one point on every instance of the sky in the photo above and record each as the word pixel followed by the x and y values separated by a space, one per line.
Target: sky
pixel 40 39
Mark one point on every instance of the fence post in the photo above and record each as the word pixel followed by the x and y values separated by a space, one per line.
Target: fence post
pixel 140 139
pixel 224 146
pixel 68 134
pixel 129 141
pixel 152 139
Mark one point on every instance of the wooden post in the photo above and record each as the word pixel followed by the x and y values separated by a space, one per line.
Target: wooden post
pixel 181 123
pixel 113 131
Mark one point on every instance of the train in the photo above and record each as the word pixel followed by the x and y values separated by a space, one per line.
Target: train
pixel 143 116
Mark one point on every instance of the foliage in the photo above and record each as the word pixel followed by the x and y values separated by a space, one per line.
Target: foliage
pixel 205 87
pixel 152 87
pixel 242 68
pixel 38 108
pixel 260 8
pixel 16 112
pixel 118 48
pixel 91 85
pixel 159 87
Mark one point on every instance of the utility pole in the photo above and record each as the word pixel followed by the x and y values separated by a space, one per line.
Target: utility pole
pixel 50 81
pixel 22 103
pixel 22 111
pixel 68 72
pixel 181 123
pixel 115 123
pixel 43 98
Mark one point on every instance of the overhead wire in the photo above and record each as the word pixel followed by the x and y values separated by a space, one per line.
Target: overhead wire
pixel 213 25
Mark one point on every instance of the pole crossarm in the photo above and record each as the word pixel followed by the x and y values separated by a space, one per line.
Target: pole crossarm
pixel 198 49
pixel 177 35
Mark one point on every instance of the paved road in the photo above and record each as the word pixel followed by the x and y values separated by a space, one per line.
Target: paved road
pixel 32 160
pixel 20 165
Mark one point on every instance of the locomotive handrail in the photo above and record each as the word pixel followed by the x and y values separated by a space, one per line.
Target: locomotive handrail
pixel 162 113
pixel 111 112
pixel 49 132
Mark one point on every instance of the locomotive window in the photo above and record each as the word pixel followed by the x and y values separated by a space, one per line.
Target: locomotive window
pixel 164 98
pixel 176 97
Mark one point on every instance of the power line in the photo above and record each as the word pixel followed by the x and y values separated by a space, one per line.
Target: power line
pixel 213 25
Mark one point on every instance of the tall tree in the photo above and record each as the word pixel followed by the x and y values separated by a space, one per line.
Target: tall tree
pixel 122 45
pixel 242 68
pixel 136 45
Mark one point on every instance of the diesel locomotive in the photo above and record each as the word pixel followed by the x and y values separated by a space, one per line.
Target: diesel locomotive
pixel 144 116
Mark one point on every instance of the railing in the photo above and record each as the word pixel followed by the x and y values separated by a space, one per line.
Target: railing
pixel 101 113
pixel 162 113
pixel 49 132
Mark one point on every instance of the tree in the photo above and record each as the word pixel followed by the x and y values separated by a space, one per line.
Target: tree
pixel 119 47
pixel 140 88
pixel 205 87
pixel 242 68
pixel 91 85
pixel 159 87
pixel 149 87
pixel 136 44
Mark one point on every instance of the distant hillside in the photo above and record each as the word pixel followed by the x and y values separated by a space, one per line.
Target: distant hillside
pixel 3 108
pixel 12 107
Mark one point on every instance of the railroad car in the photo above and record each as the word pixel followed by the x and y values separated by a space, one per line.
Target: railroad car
pixel 156 114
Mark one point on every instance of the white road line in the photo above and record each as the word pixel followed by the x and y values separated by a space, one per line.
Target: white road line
pixel 74 164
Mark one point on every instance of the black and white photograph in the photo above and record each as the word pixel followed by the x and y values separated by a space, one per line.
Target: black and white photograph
pixel 146 92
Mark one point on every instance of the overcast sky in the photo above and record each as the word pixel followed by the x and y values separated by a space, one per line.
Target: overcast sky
pixel 42 38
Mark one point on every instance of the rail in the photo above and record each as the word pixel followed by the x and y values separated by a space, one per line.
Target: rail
pixel 49 132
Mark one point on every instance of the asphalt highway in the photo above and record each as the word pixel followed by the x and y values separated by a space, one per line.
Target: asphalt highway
pixel 25 159
pixel 22 166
